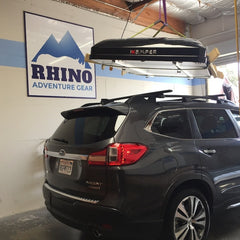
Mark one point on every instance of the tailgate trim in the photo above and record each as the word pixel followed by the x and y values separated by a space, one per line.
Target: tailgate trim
pixel 71 156
pixel 71 196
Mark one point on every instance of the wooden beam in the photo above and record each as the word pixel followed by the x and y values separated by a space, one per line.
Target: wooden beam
pixel 120 9
pixel 138 5
pixel 149 16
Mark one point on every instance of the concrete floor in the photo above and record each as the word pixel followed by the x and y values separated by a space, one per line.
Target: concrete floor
pixel 40 225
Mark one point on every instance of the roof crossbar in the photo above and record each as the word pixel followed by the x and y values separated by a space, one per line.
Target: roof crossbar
pixel 152 96
pixel 104 101
pixel 159 94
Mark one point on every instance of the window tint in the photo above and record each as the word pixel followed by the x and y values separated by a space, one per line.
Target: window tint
pixel 214 123
pixel 173 124
pixel 237 117
pixel 88 129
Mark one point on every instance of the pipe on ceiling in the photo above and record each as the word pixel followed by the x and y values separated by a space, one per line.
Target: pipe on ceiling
pixel 197 11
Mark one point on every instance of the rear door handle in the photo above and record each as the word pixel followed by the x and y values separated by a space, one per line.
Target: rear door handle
pixel 209 151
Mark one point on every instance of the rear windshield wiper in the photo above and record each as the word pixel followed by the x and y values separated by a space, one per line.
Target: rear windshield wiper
pixel 60 140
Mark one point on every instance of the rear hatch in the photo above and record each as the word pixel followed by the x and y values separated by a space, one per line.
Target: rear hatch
pixel 84 132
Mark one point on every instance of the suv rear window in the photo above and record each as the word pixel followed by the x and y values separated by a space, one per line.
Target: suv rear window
pixel 88 129
pixel 172 123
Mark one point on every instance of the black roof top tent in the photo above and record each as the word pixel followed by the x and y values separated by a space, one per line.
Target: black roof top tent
pixel 170 57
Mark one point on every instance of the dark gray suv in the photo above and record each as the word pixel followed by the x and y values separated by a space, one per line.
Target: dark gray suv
pixel 155 160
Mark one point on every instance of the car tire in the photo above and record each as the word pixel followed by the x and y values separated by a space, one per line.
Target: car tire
pixel 188 216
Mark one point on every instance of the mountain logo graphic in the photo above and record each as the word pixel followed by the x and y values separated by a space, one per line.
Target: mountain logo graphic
pixel 67 47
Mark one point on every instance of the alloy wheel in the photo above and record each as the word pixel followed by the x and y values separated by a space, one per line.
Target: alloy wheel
pixel 190 219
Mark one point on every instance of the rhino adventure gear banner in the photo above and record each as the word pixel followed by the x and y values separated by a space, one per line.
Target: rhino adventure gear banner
pixel 55 53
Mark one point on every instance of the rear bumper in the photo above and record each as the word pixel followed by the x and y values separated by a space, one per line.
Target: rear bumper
pixel 85 215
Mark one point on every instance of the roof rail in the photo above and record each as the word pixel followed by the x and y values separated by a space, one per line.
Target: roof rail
pixel 161 94
pixel 189 98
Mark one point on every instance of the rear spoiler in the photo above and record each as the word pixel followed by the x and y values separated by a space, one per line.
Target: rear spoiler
pixel 96 111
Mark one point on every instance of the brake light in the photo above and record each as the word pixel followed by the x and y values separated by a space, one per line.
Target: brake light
pixel 118 154
pixel 125 153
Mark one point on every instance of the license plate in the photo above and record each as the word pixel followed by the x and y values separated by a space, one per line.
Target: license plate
pixel 65 167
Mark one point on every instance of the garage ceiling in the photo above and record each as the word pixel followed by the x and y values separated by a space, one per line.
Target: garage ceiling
pixel 145 12
pixel 197 11
pixel 210 21
pixel 136 12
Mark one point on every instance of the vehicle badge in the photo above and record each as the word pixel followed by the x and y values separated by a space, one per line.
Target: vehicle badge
pixel 62 152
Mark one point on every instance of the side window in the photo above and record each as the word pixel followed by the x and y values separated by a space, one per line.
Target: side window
pixel 173 124
pixel 214 123
pixel 236 116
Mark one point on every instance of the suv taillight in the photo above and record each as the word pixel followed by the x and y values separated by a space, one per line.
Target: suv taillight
pixel 98 158
pixel 118 154
pixel 125 153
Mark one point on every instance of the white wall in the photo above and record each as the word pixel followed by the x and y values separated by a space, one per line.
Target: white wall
pixel 26 122
pixel 218 33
